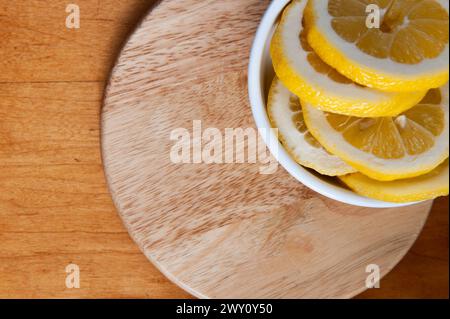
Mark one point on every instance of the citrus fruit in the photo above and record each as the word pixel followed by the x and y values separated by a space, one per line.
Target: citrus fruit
pixel 285 113
pixel 305 74
pixel 388 148
pixel 428 186
pixel 407 51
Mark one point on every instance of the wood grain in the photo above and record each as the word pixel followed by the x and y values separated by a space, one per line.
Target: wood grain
pixel 55 207
pixel 211 228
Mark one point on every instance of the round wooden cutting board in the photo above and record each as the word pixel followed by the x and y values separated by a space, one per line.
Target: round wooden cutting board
pixel 225 230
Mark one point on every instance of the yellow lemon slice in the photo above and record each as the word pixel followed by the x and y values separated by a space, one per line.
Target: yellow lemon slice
pixel 285 113
pixel 305 74
pixel 425 187
pixel 388 148
pixel 407 51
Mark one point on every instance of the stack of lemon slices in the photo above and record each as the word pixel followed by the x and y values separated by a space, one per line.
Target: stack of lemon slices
pixel 363 100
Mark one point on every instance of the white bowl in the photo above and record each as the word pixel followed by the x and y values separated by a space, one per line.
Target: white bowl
pixel 260 75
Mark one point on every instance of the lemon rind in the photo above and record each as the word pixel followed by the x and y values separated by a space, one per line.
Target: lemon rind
pixel 294 71
pixel 395 192
pixel 334 166
pixel 379 169
pixel 363 74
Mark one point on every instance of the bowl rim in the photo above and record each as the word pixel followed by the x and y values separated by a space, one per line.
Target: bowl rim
pixel 257 98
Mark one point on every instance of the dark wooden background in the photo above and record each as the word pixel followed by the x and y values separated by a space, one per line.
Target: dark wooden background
pixel 55 208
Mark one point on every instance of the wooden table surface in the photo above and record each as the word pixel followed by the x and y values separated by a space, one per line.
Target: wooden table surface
pixel 55 208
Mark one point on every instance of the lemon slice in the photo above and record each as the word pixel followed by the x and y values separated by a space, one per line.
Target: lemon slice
pixel 388 148
pixel 408 51
pixel 305 74
pixel 425 187
pixel 285 113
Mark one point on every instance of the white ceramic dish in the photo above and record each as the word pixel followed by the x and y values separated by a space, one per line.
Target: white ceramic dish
pixel 260 75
